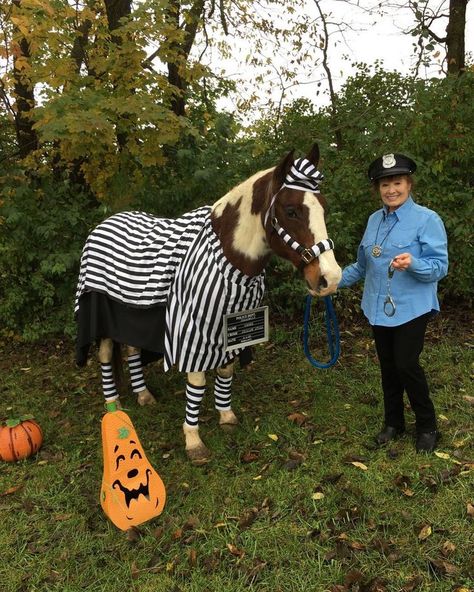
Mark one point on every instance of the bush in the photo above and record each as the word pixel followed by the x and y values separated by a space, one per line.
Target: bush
pixel 44 226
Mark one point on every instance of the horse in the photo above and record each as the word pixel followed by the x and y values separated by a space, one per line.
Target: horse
pixel 163 286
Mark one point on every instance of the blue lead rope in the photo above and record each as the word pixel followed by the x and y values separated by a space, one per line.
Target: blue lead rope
pixel 332 331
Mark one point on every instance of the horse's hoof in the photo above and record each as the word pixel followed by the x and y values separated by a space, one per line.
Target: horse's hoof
pixel 200 455
pixel 145 398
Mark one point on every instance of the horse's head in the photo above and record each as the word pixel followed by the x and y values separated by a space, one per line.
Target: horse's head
pixel 294 222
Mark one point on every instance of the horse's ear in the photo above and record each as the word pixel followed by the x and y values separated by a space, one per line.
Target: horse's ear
pixel 313 155
pixel 282 169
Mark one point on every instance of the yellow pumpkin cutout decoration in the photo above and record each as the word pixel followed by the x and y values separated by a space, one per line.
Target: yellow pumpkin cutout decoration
pixel 132 492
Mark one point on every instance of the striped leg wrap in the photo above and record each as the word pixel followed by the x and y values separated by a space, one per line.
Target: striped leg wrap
pixel 194 395
pixel 108 384
pixel 222 393
pixel 136 373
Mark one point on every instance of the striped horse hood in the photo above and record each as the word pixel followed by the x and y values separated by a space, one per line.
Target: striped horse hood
pixel 143 261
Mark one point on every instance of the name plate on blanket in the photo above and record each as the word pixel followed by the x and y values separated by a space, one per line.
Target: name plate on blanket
pixel 245 328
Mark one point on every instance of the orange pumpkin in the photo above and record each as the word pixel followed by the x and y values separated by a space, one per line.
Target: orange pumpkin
pixel 19 438
pixel 132 492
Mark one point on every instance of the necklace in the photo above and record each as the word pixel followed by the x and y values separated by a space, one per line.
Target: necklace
pixel 377 248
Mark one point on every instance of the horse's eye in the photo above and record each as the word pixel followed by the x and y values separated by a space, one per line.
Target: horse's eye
pixel 291 212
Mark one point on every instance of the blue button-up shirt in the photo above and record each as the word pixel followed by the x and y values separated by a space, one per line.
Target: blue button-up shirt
pixel 413 229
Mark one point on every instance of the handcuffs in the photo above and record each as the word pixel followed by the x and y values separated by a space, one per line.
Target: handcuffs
pixel 389 307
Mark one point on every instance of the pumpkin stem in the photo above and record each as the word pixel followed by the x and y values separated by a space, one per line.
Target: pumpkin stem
pixel 12 422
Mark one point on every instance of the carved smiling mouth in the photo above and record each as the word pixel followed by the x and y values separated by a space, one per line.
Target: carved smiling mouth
pixel 133 494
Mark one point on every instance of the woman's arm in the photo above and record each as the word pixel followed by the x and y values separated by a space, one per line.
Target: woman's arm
pixel 432 264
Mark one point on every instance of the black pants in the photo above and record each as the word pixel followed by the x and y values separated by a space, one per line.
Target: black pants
pixel 398 350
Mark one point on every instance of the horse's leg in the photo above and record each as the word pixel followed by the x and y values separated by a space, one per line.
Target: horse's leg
pixel 223 395
pixel 144 397
pixel 105 358
pixel 196 450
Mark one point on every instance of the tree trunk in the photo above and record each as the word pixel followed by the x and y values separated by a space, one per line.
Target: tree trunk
pixel 455 33
pixel 116 10
pixel 182 51
pixel 23 91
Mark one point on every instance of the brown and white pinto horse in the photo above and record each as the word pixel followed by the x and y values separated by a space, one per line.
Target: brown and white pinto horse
pixel 248 238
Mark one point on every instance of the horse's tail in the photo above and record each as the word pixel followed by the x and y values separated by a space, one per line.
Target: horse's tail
pixel 117 366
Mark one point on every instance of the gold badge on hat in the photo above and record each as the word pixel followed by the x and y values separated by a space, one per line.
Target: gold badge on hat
pixel 388 161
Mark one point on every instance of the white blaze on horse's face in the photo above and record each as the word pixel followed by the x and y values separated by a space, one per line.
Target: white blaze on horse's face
pixel 329 270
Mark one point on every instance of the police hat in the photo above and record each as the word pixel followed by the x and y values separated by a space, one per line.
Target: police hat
pixel 389 165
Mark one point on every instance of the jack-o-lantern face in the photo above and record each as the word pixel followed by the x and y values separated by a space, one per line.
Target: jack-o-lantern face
pixel 132 491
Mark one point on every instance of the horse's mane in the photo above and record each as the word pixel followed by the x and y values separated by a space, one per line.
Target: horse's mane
pixel 243 191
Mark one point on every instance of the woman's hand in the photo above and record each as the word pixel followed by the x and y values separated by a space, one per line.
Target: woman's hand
pixel 402 261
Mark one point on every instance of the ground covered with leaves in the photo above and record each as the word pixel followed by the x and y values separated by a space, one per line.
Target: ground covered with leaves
pixel 297 499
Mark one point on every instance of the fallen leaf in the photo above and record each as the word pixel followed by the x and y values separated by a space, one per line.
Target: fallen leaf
pixel 448 548
pixel 134 571
pixel 443 568
pixel 461 442
pixel 318 495
pixel 273 437
pixel 331 478
pixel 469 399
pixel 250 456
pixel 349 458
pixel 192 557
pixel 132 535
pixel 13 489
pixel 248 517
pixel 381 545
pixel 470 509
pixel 298 418
pixel 425 532
pixel 292 464
pixel 62 517
pixel 443 455
pixel 191 523
pixel 375 585
pixel 352 577
pixel 318 441
pixel 412 584
pixel 359 465
pixel 408 492
pixel 295 455
pixel 356 546
pixel 235 551
pixel 443 418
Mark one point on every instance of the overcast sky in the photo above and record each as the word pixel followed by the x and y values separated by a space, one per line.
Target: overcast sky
pixel 367 38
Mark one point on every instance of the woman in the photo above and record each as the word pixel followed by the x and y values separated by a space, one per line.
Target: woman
pixel 402 256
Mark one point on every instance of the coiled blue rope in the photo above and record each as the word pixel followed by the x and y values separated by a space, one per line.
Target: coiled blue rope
pixel 332 332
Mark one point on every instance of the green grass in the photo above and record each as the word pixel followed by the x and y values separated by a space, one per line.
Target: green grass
pixel 235 525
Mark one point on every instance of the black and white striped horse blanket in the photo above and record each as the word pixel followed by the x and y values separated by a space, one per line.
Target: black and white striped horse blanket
pixel 175 267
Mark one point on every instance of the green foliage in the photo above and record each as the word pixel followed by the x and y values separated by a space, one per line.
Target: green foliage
pixel 42 230
pixel 378 112
pixel 45 219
